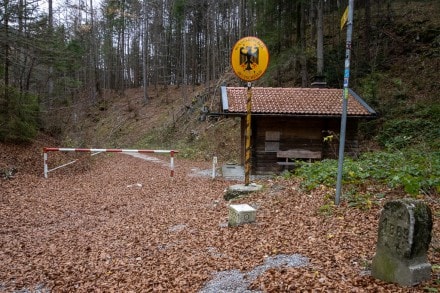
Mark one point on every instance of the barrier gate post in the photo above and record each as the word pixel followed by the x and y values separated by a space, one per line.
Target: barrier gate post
pixel 95 151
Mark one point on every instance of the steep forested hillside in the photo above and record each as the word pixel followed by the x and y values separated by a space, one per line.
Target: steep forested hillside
pixel 94 73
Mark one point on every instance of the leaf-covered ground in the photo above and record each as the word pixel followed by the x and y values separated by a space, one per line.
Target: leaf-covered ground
pixel 115 223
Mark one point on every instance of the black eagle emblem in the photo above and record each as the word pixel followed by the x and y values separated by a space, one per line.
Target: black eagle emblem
pixel 249 57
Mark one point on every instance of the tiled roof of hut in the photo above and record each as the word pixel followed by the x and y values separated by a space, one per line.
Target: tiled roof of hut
pixel 294 101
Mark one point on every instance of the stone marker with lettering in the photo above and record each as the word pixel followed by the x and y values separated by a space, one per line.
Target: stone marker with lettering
pixel 403 240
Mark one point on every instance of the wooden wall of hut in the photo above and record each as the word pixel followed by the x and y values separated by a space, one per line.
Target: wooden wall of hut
pixel 273 133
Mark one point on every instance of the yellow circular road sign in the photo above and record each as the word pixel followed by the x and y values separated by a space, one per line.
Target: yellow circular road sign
pixel 249 58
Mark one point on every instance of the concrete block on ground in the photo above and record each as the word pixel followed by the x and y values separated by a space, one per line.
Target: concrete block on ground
pixel 238 190
pixel 241 214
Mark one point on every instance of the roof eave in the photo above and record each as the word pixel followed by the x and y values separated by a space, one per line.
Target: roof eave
pixel 225 102
pixel 241 114
pixel 362 102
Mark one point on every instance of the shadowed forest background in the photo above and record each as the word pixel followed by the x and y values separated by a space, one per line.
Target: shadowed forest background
pixel 65 64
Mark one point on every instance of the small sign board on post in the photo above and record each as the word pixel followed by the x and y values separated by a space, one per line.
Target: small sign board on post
pixel 249 60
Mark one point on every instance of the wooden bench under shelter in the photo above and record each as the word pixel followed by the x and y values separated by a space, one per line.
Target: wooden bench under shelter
pixel 297 154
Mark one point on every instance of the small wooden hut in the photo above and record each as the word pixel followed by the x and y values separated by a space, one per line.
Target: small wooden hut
pixel 288 124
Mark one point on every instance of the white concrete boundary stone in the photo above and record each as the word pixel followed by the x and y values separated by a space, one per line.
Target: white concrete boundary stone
pixel 241 214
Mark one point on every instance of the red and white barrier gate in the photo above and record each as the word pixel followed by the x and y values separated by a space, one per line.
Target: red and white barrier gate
pixel 97 151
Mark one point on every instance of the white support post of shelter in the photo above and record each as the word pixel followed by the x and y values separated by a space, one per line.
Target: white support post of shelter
pixel 214 165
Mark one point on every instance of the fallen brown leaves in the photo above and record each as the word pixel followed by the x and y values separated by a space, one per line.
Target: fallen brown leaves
pixel 94 228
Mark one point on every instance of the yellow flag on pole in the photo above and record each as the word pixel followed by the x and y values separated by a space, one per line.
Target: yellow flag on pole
pixel 344 18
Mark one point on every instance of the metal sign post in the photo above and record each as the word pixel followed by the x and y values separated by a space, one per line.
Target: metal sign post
pixel 344 102
pixel 247 164
pixel 249 60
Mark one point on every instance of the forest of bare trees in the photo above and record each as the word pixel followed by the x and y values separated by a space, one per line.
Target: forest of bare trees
pixel 52 52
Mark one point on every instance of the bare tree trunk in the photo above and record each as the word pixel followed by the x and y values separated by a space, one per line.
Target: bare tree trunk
pixel 94 52
pixel 122 52
pixel 243 20
pixel 208 51
pixel 50 79
pixel 320 39
pixel 367 29
pixel 185 56
pixel 128 78
pixel 6 46
pixel 303 58
pixel 145 50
